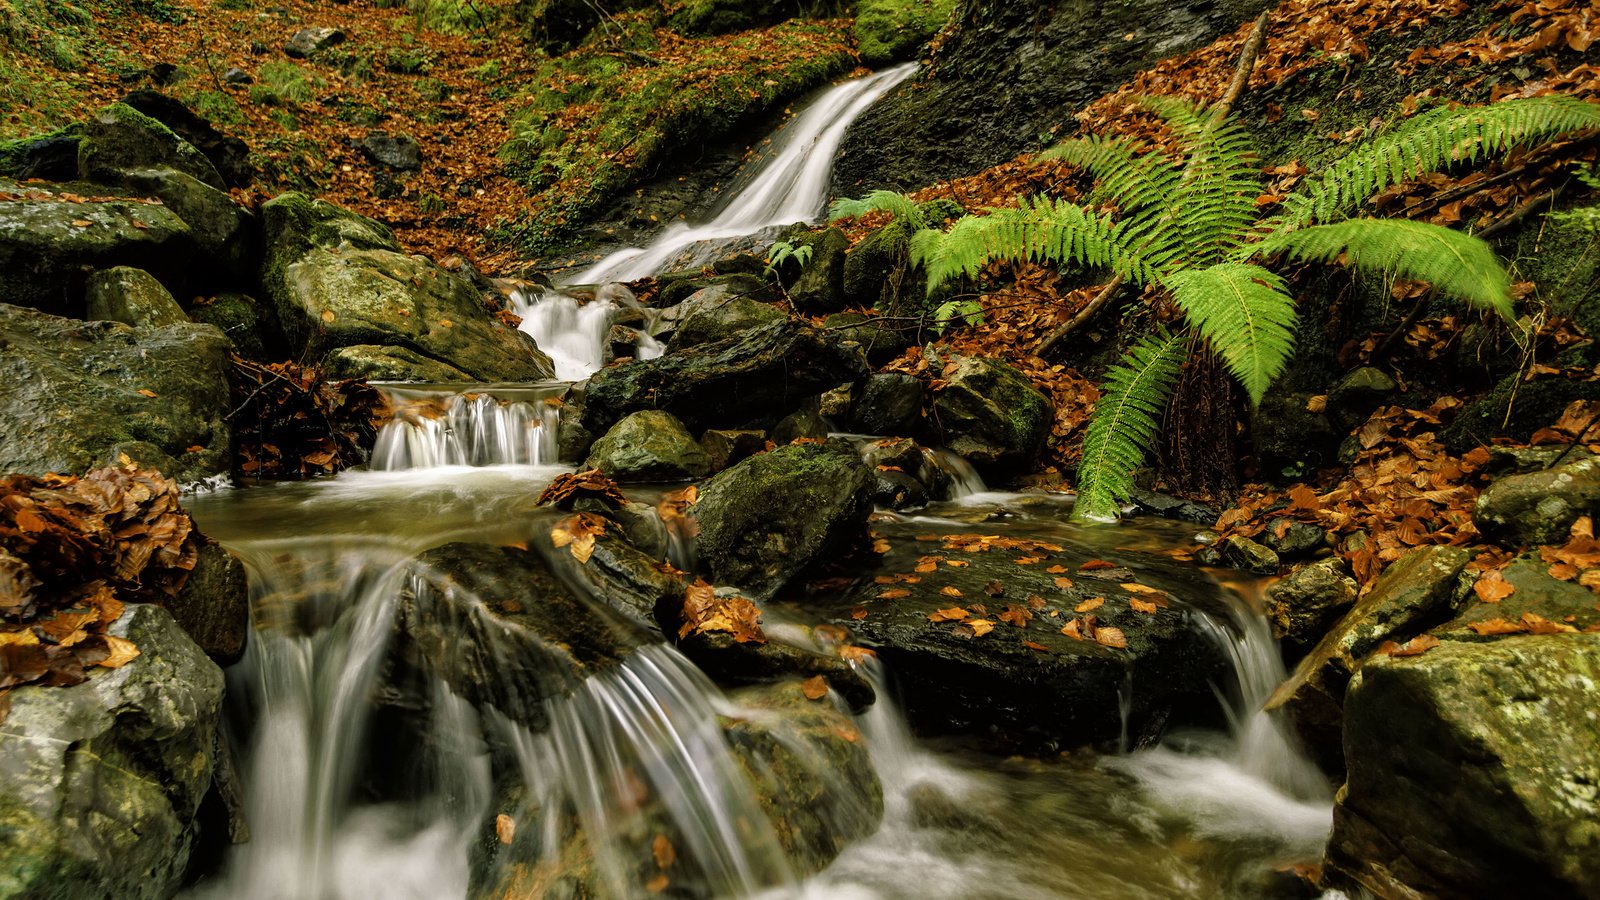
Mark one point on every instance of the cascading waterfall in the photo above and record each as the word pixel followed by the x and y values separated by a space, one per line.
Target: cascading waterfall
pixel 480 427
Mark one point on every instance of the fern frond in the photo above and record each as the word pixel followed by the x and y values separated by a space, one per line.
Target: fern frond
pixel 1457 264
pixel 1432 141
pixel 1125 422
pixel 1246 313
pixel 1190 122
pixel 892 202
pixel 1040 230
pixel 1126 176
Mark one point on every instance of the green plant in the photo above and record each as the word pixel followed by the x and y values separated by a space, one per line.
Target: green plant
pixel 281 83
pixel 782 252
pixel 951 311
pixel 1190 227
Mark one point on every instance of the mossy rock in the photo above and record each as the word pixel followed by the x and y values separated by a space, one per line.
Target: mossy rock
pixel 649 446
pixel 992 416
pixel 249 323
pixel 52 156
pixel 119 139
pixel 1515 409
pixel 133 297
pixel 888 31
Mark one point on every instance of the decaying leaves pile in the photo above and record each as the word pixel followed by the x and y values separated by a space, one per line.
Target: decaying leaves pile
pixel 73 551
pixel 293 422
pixel 590 484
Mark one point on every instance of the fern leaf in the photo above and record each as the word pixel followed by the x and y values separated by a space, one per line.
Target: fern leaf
pixel 1457 264
pixel 1432 141
pixel 1125 176
pixel 1040 230
pixel 1125 422
pixel 1246 313
pixel 896 204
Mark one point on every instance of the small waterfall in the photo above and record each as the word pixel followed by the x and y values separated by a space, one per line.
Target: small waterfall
pixel 965 482
pixel 574 334
pixel 477 428
pixel 791 185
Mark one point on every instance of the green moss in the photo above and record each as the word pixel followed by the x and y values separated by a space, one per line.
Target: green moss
pixel 891 30
pixel 283 83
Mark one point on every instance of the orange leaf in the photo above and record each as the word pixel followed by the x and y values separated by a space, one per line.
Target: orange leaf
pixel 1143 606
pixel 1091 603
pixel 953 614
pixel 815 687
pixel 1417 646
pixel 505 828
pixel 1110 637
pixel 1492 587
pixel 950 591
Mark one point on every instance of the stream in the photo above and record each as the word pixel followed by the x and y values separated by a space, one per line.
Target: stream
pixel 360 786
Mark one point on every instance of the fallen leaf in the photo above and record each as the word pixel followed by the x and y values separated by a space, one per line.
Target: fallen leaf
pixel 980 627
pixel 1110 637
pixel 953 614
pixel 1492 587
pixel 894 594
pixel 1034 645
pixel 120 652
pixel 858 612
pixel 815 687
pixel 145 392
pixel 1497 626
pixel 505 828
pixel 1091 603
pixel 1143 606
pixel 950 591
pixel 1414 647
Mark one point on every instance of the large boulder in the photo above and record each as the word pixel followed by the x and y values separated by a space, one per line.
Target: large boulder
pixel 340 280
pixel 133 297
pixel 80 393
pixel 1539 507
pixel 970 628
pixel 1534 595
pixel 990 415
pixel 768 517
pixel 119 139
pixel 768 370
pixel 51 238
pixel 224 232
pixel 714 314
pixel 100 782
pixel 1415 593
pixel 229 155
pixel 1472 772
pixel 650 445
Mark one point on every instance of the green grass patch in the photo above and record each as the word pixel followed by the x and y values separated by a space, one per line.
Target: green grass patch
pixel 598 120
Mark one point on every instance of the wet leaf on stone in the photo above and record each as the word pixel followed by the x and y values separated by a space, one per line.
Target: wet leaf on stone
pixel 1089 604
pixel 505 828
pixel 953 614
pixel 1417 646
pixel 815 687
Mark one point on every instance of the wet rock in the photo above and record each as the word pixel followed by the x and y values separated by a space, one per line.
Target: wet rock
pixel 102 780
pixel 764 520
pixel 1063 692
pixel 730 662
pixel 729 382
pixel 1472 772
pixel 77 389
pixel 376 363
pixel 649 446
pixel 1527 460
pixel 805 424
pixel 51 157
pixel 1358 395
pixel 307 41
pixel 1293 540
pixel 1173 507
pixel 229 155
pixel 1243 553
pixel 1514 408
pixel 1287 435
pixel 715 314
pixel 990 415
pixel 340 280
pixel 622 342
pixel 907 456
pixel 889 403
pixel 213 607
pixel 133 297
pixel 499 627
pixel 46 251
pixel 880 340
pixel 251 325
pixel 897 490
pixel 877 267
pixel 119 139
pixel 1306 604
pixel 399 152
pixel 1540 507
pixel 724 448
pixel 888 31
pixel 1415 593
pixel 821 285
pixel 676 288
pixel 1535 593
pixel 224 232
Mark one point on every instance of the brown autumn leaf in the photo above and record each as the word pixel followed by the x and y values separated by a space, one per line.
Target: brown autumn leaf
pixel 705 612
pixel 893 594
pixel 1058 569
pixel 1110 637
pixel 120 652
pixel 658 884
pixel 1089 604
pixel 1073 629
pixel 1137 588
pixel 578 531
pixel 1096 564
pixel 815 687
pixel 1016 615
pixel 980 627
pixel 1417 646
pixel 994 589
pixel 662 850
pixel 957 563
pixel 1537 624
pixel 505 828
pixel 950 591
pixel 857 655
pixel 1063 582
pixel 1143 606
pixel 1035 645
pixel 953 614
pixel 1497 626
pixel 1492 587
pixel 858 612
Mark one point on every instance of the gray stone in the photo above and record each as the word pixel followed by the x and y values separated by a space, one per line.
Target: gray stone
pixel 236 75
pixel 340 280
pixel 133 297
pixel 77 389
pixel 889 403
pixel 1358 394
pixel 990 415
pixel 224 232
pixel 802 424
pixel 1535 593
pixel 1540 507
pixel 48 244
pixel 399 152
pixel 213 607
pixel 1473 772
pixel 1243 553
pixel 764 520
pixel 307 41
pixel 229 155
pixel 119 139
pixel 100 782
pixel 1305 604
pixel 725 447
pixel 649 446
pixel 1293 540
pixel 897 490
pixel 1415 593
pixel 376 363
pixel 714 314
pixel 821 285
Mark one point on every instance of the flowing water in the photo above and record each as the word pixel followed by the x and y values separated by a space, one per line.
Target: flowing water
pixel 368 777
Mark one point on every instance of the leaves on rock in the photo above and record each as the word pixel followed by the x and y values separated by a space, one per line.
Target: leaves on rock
pixel 705 612
pixel 815 687
pixel 591 484
pixel 578 532
pixel 1417 646
pixel 290 421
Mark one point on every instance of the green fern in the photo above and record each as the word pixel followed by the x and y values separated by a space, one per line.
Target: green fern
pixel 896 204
pixel 1041 230
pixel 1246 313
pixel 1126 420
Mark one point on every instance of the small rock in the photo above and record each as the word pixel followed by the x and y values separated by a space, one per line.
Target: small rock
pixel 237 75
pixel 890 403
pixel 213 607
pixel 991 415
pixel 1243 553
pixel 133 297
pixel 307 41
pixel 804 423
pixel 1293 540
pixel 714 314
pixel 393 151
pixel 649 446
pixel 724 447
pixel 1540 507
pixel 1304 605
pixel 1358 395
pixel 897 490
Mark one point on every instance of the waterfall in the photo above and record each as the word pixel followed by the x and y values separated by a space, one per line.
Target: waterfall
pixel 790 185
pixel 480 427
